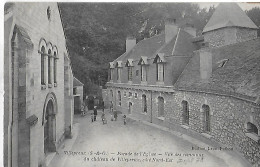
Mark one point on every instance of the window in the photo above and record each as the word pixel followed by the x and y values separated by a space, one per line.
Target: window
pixel 49 67
pixel 130 73
pixel 130 94
pixel 143 73
pixel 222 63
pixel 160 65
pixel 74 91
pixel 185 112
pixel 206 117
pixel 160 107
pixel 124 94
pixel 119 98
pixel 160 72
pixel 55 67
pixel 49 13
pixel 252 132
pixel 137 72
pixel 251 128
pixel 118 74
pixel 111 74
pixel 144 104
pixel 42 66
pixel 136 95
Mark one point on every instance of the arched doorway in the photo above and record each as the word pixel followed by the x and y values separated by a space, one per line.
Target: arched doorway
pixel 130 107
pixel 160 107
pixel 49 128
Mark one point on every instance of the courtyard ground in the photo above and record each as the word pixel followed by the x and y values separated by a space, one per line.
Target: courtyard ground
pixel 137 144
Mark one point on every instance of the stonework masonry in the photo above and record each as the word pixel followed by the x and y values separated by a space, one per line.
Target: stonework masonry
pixel 228 115
pixel 229 35
pixel 26 97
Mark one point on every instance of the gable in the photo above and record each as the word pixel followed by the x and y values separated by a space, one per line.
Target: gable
pixel 159 58
pixel 143 61
pixel 129 63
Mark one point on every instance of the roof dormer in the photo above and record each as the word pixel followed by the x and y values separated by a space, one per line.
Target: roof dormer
pixel 111 65
pixel 143 61
pixel 118 64
pixel 129 63
pixel 159 58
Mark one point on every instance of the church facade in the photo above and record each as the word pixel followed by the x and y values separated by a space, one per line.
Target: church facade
pixel 207 86
pixel 38 84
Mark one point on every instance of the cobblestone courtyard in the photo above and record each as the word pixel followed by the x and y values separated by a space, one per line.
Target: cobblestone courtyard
pixel 136 144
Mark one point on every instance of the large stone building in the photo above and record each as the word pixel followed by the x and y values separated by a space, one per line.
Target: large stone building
pixel 207 86
pixel 38 84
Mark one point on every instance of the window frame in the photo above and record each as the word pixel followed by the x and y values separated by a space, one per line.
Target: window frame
pixel 185 113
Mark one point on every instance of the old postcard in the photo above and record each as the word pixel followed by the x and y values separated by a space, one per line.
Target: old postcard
pixel 131 84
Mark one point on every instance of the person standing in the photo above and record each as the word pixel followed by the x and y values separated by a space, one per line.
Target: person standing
pixel 115 115
pixel 86 108
pixel 102 105
pixel 124 117
pixel 92 117
pixel 95 113
pixel 111 107
pixel 103 117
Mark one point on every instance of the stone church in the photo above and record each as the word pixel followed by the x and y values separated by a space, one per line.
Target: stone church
pixel 38 84
pixel 206 86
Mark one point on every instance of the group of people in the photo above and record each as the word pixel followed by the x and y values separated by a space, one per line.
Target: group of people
pixel 114 116
pixel 85 108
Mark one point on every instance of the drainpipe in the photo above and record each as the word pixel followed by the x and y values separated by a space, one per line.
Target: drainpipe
pixel 151 107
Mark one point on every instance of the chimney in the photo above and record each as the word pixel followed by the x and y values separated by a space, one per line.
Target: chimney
pixel 191 30
pixel 171 29
pixel 205 65
pixel 130 43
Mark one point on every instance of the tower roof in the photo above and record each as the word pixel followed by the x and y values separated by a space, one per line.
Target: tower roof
pixel 229 15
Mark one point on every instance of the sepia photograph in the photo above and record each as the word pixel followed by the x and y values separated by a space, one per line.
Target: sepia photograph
pixel 131 84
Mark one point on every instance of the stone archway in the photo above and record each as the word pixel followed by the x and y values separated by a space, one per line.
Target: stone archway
pixel 49 123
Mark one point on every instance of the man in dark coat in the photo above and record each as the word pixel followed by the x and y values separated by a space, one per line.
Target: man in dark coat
pixel 95 113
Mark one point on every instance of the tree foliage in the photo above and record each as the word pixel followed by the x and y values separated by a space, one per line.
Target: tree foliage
pixel 96 32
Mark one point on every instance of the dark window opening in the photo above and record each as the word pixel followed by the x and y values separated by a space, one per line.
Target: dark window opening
pixel 185 112
pixel 55 68
pixel 49 66
pixel 251 128
pixel 74 91
pixel 42 66
pixel 206 117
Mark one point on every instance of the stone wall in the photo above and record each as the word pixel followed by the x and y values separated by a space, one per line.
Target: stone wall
pixel 32 17
pixel 244 34
pixel 228 116
pixel 229 35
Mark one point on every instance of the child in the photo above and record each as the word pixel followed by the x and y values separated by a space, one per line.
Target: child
pixel 115 115
pixel 124 117
pixel 82 111
pixel 103 118
pixel 112 117
pixel 92 117
pixel 95 113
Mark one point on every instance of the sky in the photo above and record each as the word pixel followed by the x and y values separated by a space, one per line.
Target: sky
pixel 243 5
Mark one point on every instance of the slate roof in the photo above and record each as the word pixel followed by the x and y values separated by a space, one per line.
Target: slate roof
pixel 76 82
pixel 146 47
pixel 229 15
pixel 152 46
pixel 240 75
